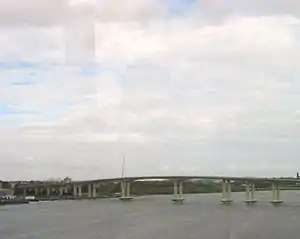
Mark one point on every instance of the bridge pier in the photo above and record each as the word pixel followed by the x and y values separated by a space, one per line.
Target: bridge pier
pixel 61 191
pixel 226 192
pixel 125 191
pixel 79 191
pixel 92 191
pixel 36 192
pixel 178 192
pixel 250 193
pixel 74 191
pixel 276 193
pixel 48 191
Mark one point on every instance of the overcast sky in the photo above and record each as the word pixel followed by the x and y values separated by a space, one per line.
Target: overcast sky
pixel 189 87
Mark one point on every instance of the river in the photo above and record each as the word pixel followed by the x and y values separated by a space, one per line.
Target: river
pixel 154 217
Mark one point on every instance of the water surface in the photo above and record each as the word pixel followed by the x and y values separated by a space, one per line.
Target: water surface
pixel 154 217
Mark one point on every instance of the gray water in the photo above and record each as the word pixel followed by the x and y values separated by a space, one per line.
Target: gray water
pixel 154 217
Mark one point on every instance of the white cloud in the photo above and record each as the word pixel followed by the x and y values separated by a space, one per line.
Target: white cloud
pixel 189 93
pixel 56 12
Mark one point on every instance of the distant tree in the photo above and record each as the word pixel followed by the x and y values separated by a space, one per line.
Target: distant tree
pixel 54 180
pixel 67 180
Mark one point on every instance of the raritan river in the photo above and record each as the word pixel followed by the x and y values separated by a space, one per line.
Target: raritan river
pixel 155 217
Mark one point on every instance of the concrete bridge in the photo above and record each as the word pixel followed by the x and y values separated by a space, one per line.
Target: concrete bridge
pixel 125 182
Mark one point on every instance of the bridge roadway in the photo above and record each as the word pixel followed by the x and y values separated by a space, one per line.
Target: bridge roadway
pixel 138 178
pixel 93 187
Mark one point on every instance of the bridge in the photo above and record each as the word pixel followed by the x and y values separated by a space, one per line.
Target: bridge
pixel 125 182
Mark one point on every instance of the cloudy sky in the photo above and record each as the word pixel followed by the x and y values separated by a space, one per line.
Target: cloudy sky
pixel 190 87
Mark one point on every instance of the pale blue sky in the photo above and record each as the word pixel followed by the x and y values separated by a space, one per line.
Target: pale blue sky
pixel 179 87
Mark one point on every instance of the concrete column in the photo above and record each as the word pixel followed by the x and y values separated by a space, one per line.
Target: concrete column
pixel 178 192
pixel 226 191
pixel 48 192
pixel 273 191
pixel 90 190
pixel 175 189
pixel 74 190
pixel 250 193
pixel 125 191
pixel 36 191
pixel 94 191
pixel 180 189
pixel 24 192
pixel 128 189
pixel 61 191
pixel 276 193
pixel 247 196
pixel 79 190
pixel 123 188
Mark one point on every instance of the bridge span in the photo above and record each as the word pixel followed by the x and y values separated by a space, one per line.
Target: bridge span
pixel 178 181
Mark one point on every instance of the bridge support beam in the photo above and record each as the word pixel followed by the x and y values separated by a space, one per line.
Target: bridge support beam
pixel 226 192
pixel 125 191
pixel 178 192
pixel 250 193
pixel 276 193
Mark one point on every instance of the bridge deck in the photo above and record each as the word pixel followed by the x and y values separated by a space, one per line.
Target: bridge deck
pixel 253 179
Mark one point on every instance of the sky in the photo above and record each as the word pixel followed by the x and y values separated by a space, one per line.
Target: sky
pixel 177 87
